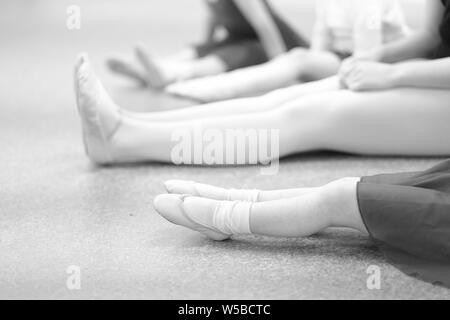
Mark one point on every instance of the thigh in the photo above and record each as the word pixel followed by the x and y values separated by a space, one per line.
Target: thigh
pixel 241 53
pixel 399 122
pixel 316 65
pixel 298 91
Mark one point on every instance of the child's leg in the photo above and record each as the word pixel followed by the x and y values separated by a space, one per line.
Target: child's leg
pixel 128 69
pixel 157 73
pixel 263 103
pixel 214 59
pixel 111 137
pixel 186 54
pixel 190 69
pixel 296 65
pixel 217 193
pixel 334 205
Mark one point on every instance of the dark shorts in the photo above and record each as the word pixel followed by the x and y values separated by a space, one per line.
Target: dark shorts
pixel 408 216
pixel 242 47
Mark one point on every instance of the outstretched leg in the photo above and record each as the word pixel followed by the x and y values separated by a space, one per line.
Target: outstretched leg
pixel 333 205
pixel 297 65
pixel 157 73
pixel 267 102
pixel 395 122
pixel 135 140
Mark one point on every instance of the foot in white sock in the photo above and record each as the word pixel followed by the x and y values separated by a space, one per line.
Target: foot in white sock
pixel 217 220
pixel 100 116
pixel 211 192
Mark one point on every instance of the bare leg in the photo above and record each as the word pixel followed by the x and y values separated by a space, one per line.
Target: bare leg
pixel 397 122
pixel 333 205
pixel 296 65
pixel 186 54
pixel 263 103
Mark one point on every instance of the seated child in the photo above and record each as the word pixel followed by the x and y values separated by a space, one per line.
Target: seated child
pixel 254 33
pixel 342 28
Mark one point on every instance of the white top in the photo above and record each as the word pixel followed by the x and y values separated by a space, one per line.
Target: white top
pixel 346 26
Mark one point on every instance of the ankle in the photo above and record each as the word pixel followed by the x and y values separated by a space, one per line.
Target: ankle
pixel 233 217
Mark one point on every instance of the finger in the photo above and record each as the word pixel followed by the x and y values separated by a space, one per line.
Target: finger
pixel 347 69
pixel 345 75
pixel 355 82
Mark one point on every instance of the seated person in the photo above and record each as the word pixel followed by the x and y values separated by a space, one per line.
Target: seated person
pixel 405 214
pixel 397 106
pixel 254 33
pixel 342 28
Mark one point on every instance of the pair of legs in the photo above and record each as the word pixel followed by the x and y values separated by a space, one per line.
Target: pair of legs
pixel 299 64
pixel 157 73
pixel 396 122
pixel 219 213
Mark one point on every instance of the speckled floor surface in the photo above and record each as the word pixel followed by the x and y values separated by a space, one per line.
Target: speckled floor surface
pixel 57 210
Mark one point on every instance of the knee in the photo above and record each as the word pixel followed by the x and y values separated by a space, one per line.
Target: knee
pixel 317 108
pixel 298 52
pixel 292 57
pixel 337 186
pixel 297 58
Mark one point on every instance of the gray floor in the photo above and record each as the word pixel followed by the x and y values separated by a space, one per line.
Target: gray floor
pixel 57 210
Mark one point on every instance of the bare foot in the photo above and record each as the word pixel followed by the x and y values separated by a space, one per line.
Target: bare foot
pixel 207 89
pixel 100 116
pixel 125 68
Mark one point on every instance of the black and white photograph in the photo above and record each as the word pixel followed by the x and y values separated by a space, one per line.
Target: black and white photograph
pixel 226 152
